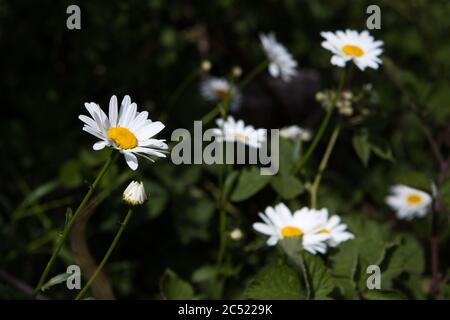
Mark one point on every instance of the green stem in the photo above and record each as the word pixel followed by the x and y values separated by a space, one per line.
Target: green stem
pixel 305 276
pixel 180 89
pixel 323 165
pixel 71 222
pixel 107 255
pixel 322 128
pixel 260 67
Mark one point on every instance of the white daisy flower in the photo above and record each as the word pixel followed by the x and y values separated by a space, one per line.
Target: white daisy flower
pixel 361 48
pixel 280 223
pixel 408 202
pixel 216 89
pixel 295 132
pixel 334 228
pixel 134 194
pixel 232 130
pixel 281 63
pixel 128 131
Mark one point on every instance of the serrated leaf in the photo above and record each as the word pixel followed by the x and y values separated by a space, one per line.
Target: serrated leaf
pixel 362 146
pixel 288 187
pixel 344 266
pixel 174 288
pixel 275 282
pixel 249 183
pixel 407 256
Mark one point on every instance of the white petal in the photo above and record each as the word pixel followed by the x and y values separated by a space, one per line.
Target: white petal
pixel 149 131
pixel 131 161
pixel 99 145
pixel 113 111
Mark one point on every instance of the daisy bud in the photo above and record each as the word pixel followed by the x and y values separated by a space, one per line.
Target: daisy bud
pixel 206 65
pixel 236 234
pixel 236 71
pixel 134 194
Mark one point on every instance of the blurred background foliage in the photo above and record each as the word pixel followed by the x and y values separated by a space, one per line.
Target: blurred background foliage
pixel 146 49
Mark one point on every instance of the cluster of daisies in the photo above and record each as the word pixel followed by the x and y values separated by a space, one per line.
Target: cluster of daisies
pixel 316 229
pixel 132 133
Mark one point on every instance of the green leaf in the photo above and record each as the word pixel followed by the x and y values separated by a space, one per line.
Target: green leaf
pixel 275 282
pixel 362 146
pixel 344 266
pixel 159 198
pixel 229 182
pixel 203 274
pixel 383 154
pixel 288 187
pixel 319 276
pixel 289 155
pixel 174 288
pixel 249 183
pixel 55 280
pixel 407 256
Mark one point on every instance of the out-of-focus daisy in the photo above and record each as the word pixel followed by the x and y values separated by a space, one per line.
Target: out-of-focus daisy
pixel 280 223
pixel 334 228
pixel 281 63
pixel 408 202
pixel 217 89
pixel 295 132
pixel 232 130
pixel 134 194
pixel 128 131
pixel 361 48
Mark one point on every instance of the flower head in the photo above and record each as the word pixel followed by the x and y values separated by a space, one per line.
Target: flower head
pixel 334 228
pixel 128 131
pixel 361 48
pixel 281 63
pixel 231 130
pixel 134 194
pixel 295 132
pixel 280 222
pixel 408 202
pixel 217 89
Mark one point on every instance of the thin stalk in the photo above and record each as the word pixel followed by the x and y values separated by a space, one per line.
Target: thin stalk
pixel 69 226
pixel 434 243
pixel 260 67
pixel 323 165
pixel 177 93
pixel 322 127
pixel 107 255
pixel 305 276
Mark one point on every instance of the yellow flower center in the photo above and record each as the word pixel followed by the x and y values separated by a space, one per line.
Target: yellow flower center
pixel 324 231
pixel 290 232
pixel 122 137
pixel 221 92
pixel 241 137
pixel 352 51
pixel 414 199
